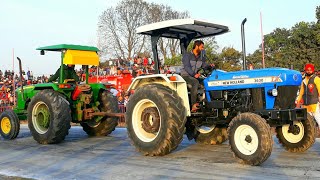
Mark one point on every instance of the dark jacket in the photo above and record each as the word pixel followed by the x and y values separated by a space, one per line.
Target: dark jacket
pixel 68 73
pixel 191 64
pixel 310 95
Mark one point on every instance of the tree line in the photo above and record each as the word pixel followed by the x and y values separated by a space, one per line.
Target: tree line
pixel 283 47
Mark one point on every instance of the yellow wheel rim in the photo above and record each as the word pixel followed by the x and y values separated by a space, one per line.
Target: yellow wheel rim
pixel 5 125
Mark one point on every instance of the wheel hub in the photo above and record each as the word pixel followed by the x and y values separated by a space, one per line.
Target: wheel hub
pixel 294 129
pixel 293 133
pixel 150 120
pixel 248 139
pixel 41 117
pixel 5 125
pixel 146 120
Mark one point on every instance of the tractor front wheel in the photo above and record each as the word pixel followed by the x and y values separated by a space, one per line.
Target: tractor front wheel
pixel 49 117
pixel 9 125
pixel 250 138
pixel 299 136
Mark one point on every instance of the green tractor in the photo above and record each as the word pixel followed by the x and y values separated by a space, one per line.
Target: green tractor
pixel 51 107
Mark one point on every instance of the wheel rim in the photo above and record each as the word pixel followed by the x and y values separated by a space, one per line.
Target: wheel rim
pixel 41 117
pixel 146 120
pixel 5 125
pixel 93 123
pixel 205 129
pixel 293 137
pixel 246 139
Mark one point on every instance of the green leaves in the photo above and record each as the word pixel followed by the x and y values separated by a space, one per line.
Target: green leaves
pixel 291 47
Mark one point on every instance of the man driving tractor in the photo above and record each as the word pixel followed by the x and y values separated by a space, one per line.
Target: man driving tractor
pixel 68 73
pixel 192 62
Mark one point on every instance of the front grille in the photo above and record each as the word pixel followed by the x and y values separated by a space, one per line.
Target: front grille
pixel 286 97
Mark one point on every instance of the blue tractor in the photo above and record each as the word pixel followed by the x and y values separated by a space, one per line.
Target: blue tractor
pixel 241 106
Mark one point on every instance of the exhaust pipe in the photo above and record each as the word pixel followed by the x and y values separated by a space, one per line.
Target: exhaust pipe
pixel 21 81
pixel 243 44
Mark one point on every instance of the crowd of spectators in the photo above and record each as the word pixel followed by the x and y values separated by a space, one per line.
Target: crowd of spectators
pixel 10 80
pixel 136 66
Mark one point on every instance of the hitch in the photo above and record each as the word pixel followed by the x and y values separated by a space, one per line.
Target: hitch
pixel 90 113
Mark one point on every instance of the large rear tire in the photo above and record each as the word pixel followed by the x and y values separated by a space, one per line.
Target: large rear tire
pixel 49 117
pixel 250 138
pixel 108 103
pixel 9 125
pixel 155 119
pixel 299 136
pixel 211 135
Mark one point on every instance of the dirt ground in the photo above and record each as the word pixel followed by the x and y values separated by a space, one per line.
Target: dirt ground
pixel 112 157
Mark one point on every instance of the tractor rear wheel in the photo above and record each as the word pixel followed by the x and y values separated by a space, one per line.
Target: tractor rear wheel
pixel 250 138
pixel 49 117
pixel 299 136
pixel 211 135
pixel 108 103
pixel 155 119
pixel 9 125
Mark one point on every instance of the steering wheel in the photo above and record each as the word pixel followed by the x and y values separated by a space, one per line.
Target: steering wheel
pixel 205 72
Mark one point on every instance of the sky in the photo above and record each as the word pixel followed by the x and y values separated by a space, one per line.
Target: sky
pixel 26 25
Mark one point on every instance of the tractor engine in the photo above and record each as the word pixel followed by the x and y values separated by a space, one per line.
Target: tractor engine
pixel 238 100
pixel 231 101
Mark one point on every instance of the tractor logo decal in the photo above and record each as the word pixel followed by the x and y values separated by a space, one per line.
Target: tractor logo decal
pixel 245 81
pixel 240 77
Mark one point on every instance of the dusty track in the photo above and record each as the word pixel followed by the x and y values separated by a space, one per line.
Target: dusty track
pixel 112 157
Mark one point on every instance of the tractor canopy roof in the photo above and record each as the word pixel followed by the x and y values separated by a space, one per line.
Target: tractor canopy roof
pixel 183 28
pixel 60 47
pixel 75 54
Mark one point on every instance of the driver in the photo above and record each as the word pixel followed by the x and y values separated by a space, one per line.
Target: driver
pixel 192 62
pixel 68 73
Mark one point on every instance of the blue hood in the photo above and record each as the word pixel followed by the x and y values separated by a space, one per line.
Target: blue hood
pixel 220 80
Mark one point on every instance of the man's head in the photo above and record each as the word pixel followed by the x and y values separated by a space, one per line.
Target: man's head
pixel 309 69
pixel 198 46
pixel 71 66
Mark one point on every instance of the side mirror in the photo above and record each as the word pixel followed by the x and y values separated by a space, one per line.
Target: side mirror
pixel 42 52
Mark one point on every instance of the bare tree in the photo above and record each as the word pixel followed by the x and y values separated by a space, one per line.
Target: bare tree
pixel 117 29
pixel 162 12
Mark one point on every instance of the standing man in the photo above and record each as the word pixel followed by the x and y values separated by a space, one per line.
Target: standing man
pixel 192 62
pixel 310 92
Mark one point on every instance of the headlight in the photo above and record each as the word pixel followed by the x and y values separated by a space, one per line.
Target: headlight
pixel 273 92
